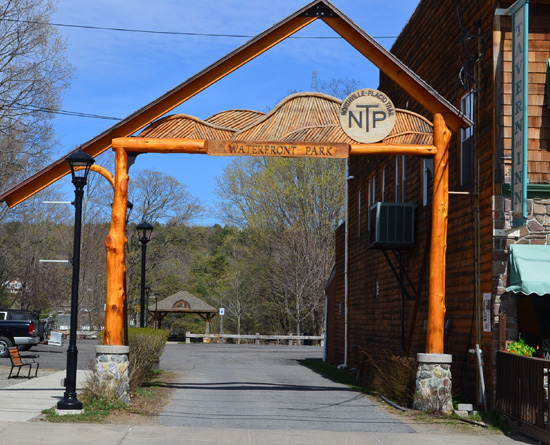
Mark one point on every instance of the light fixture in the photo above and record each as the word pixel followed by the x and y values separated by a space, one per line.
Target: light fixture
pixel 145 230
pixel 82 160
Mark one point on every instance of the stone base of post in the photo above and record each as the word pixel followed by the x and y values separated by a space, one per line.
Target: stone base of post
pixel 111 370
pixel 433 383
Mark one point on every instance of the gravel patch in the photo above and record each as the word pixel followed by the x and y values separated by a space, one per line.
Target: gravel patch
pixel 5 372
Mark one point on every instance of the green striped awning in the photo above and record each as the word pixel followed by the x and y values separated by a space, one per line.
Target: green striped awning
pixel 529 269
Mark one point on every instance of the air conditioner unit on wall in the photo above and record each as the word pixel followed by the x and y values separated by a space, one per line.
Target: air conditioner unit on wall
pixel 391 225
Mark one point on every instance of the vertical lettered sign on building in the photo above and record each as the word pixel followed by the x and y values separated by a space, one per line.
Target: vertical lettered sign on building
pixel 520 85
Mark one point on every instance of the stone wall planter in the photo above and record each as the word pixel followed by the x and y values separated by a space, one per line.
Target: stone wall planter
pixel 111 369
pixel 433 383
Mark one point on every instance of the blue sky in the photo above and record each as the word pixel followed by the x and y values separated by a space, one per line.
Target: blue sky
pixel 117 73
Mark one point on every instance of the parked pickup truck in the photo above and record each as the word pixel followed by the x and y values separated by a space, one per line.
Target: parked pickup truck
pixel 17 329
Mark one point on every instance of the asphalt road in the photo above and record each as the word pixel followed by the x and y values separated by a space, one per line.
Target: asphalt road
pixel 55 357
pixel 249 386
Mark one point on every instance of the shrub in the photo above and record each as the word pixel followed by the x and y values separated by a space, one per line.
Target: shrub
pixel 146 348
pixel 390 375
pixel 100 398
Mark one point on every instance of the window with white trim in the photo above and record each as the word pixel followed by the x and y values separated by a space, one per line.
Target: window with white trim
pixel 403 179
pixel 400 179
pixel 359 212
pixel 397 182
pixel 467 141
pixel 371 196
pixel 369 203
pixel 383 183
pixel 427 175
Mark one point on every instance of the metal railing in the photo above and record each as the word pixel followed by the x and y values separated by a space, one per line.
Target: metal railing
pixel 291 339
pixel 522 388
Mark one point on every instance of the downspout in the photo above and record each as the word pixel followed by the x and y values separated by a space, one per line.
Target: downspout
pixel 477 214
pixel 346 287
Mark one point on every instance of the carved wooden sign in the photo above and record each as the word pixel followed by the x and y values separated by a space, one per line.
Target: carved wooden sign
pixel 367 115
pixel 282 149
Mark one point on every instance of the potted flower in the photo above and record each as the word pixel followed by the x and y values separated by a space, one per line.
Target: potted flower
pixel 520 347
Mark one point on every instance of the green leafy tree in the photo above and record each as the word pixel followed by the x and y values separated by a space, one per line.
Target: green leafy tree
pixel 291 208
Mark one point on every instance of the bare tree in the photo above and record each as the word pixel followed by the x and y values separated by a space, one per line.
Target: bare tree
pixel 33 71
pixel 161 198
pixel 340 87
pixel 33 233
pixel 241 281
pixel 162 201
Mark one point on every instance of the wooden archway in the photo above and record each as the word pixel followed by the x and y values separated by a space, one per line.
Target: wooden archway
pixel 116 239
pixel 446 119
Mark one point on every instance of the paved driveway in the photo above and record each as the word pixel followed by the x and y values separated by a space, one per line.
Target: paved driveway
pixel 249 386
pixel 55 357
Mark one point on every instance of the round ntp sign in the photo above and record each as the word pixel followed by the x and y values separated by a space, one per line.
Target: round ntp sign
pixel 367 115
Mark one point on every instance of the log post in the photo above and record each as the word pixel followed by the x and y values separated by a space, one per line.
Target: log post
pixel 438 249
pixel 115 244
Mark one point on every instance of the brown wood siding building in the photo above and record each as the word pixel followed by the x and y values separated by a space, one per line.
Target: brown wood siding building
pixel 435 44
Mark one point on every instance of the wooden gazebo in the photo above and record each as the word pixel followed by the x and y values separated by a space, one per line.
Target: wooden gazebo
pixel 182 302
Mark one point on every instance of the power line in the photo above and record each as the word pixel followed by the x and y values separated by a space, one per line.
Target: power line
pixel 144 31
pixel 174 33
pixel 65 112
pixel 78 114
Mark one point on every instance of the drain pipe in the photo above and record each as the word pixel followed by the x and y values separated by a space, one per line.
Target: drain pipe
pixel 346 287
pixel 481 377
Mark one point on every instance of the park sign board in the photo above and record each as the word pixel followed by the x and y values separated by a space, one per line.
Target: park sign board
pixel 280 149
pixel 520 82
pixel 367 115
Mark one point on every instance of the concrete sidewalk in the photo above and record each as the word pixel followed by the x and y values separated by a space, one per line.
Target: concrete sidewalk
pixel 26 400
pixel 23 402
pixel 91 434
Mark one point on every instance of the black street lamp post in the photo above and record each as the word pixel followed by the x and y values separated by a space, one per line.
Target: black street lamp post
pixel 156 313
pixel 145 229
pixel 147 290
pixel 76 159
pixel 156 307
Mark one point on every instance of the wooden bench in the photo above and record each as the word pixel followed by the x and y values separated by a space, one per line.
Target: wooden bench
pixel 17 362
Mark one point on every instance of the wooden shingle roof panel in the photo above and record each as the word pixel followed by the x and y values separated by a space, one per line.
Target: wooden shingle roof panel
pixel 235 119
pixel 292 113
pixel 321 133
pixel 185 126
pixel 301 117
pixel 410 128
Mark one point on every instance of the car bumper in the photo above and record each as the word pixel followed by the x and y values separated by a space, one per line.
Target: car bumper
pixel 26 340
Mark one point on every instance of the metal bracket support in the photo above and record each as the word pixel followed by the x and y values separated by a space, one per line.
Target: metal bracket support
pixel 320 10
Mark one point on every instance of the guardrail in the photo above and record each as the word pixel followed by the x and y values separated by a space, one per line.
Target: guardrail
pixel 290 339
